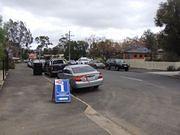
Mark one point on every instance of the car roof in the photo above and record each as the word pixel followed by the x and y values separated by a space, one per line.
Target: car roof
pixel 57 59
pixel 84 58
pixel 115 59
pixel 118 59
pixel 80 65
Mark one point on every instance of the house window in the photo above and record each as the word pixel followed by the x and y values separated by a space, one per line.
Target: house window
pixel 140 56
pixel 135 56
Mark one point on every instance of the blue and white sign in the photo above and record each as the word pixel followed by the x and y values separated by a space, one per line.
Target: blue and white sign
pixel 62 90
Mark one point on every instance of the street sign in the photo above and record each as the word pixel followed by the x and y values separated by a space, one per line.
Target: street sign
pixel 61 92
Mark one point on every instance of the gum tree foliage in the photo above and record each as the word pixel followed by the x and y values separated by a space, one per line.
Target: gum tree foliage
pixel 77 49
pixel 63 41
pixel 18 34
pixel 150 41
pixel 2 39
pixel 43 42
pixel 0 20
pixel 60 47
pixel 168 16
pixel 132 41
pixel 104 49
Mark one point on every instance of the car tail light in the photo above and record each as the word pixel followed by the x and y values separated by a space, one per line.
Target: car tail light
pixel 100 76
pixel 80 78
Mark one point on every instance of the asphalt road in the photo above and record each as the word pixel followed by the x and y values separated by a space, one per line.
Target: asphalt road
pixel 26 109
pixel 140 102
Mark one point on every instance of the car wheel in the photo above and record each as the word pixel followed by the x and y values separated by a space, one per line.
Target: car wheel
pixel 126 69
pixel 50 74
pixel 71 89
pixel 96 87
pixel 117 68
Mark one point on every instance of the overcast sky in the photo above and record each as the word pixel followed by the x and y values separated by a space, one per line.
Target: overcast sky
pixel 114 19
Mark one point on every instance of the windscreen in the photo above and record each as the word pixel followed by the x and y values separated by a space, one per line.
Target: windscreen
pixel 119 61
pixel 83 59
pixel 83 69
pixel 95 61
pixel 58 62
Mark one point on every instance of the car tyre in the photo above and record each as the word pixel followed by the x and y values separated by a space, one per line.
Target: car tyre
pixel 96 87
pixel 126 69
pixel 50 74
pixel 117 68
pixel 72 89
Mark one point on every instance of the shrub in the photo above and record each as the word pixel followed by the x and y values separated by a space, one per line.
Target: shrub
pixel 171 68
pixel 11 65
pixel 178 69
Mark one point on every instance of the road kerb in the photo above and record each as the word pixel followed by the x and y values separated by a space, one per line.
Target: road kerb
pixel 103 122
pixel 3 81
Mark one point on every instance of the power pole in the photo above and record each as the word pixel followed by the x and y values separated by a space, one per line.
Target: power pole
pixel 69 39
pixel 68 42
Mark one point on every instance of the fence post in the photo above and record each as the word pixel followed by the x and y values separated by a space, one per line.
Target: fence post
pixel 3 68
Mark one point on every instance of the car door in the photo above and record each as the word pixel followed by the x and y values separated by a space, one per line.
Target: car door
pixel 49 66
pixel 67 73
pixel 46 66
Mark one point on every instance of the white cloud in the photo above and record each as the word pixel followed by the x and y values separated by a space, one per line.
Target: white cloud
pixel 115 19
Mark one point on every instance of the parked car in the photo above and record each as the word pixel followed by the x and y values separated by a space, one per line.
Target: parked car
pixel 30 63
pixel 117 64
pixel 81 76
pixel 43 63
pixel 25 61
pixel 54 66
pixel 72 62
pixel 97 64
pixel 84 60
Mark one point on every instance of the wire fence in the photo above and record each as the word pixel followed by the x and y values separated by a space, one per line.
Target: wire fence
pixel 4 67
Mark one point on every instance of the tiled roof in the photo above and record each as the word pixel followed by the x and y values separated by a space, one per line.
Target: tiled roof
pixel 137 49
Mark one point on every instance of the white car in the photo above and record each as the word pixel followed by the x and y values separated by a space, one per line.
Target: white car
pixel 81 76
pixel 30 63
pixel 84 60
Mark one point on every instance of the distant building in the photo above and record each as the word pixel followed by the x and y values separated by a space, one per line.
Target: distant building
pixel 136 52
pixel 32 56
pixel 160 54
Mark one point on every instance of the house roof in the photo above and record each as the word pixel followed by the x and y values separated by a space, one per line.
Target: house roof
pixel 137 49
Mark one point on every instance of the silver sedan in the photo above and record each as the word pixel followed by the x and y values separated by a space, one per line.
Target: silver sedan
pixel 81 76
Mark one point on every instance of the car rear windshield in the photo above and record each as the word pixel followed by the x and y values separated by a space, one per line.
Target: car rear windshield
pixel 83 69
pixel 58 62
pixel 83 59
pixel 120 61
pixel 95 61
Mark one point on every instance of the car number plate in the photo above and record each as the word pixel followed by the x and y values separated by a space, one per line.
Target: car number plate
pixel 91 78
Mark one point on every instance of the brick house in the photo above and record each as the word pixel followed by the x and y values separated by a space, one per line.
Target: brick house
pixel 136 52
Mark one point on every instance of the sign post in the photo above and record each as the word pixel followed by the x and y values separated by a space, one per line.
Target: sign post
pixel 61 91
